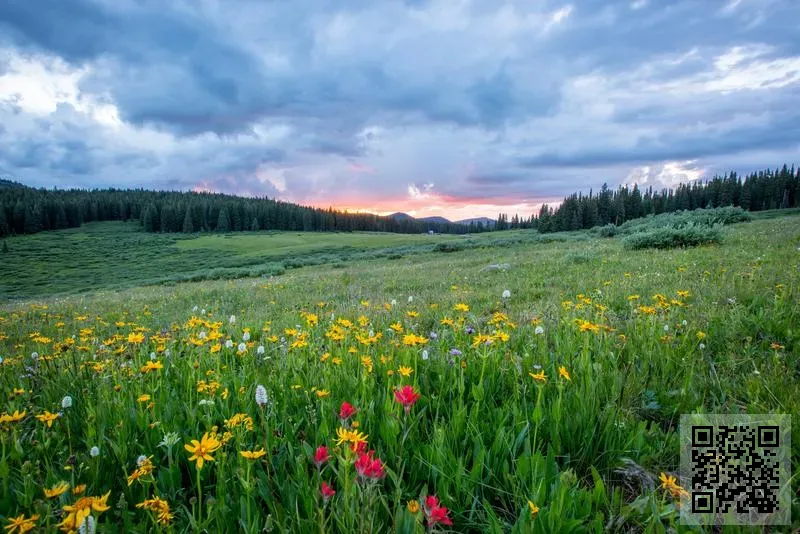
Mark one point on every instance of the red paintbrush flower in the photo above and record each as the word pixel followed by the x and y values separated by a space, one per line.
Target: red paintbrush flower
pixel 369 467
pixel 406 396
pixel 436 514
pixel 327 491
pixel 346 411
pixel 321 456
pixel 360 447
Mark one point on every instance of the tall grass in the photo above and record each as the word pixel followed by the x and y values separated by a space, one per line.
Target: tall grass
pixel 626 340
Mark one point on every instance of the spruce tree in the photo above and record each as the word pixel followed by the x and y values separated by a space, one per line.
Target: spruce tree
pixel 188 225
pixel 223 223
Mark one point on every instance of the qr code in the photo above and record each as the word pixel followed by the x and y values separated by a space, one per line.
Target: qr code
pixel 736 469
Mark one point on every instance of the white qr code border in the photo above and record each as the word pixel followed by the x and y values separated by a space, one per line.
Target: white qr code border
pixel 701 434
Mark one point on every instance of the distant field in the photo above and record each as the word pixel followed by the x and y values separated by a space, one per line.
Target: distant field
pixel 113 255
pixel 283 243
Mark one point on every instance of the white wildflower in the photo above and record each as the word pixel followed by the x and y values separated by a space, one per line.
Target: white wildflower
pixel 232 319
pixel 242 347
pixel 394 302
pixel 538 330
pixel 202 334
pixel 424 354
pixel 152 355
pixel 141 460
pixel 229 344
pixel 666 328
pixel 94 452
pixel 260 349
pixel 702 346
pixel 261 395
pixel 34 355
pixel 203 311
pixel 66 402
pixel 246 336
pixel 88 526
pixel 195 308
pixel 410 299
pixel 169 440
pixel 506 294
pixel 206 402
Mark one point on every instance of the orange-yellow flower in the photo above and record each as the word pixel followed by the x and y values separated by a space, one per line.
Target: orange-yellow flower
pixel 15 417
pixel 20 524
pixel 56 491
pixel 539 377
pixel 201 450
pixel 253 455
pixel 151 366
pixel 160 507
pixel 77 513
pixel 562 371
pixel 47 418
pixel 135 338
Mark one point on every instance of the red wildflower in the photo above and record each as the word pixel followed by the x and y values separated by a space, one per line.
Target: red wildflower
pixel 436 514
pixel 360 447
pixel 346 411
pixel 321 456
pixel 406 396
pixel 327 491
pixel 369 467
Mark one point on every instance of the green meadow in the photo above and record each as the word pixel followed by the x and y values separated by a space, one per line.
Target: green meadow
pixel 553 409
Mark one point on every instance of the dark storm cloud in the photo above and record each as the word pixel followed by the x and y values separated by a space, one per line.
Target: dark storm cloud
pixel 501 100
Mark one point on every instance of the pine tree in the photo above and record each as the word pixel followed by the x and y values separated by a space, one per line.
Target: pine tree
pixel 254 225
pixel 188 225
pixel 223 223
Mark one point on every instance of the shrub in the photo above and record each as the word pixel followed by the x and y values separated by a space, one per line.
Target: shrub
pixel 609 230
pixel 449 246
pixel 680 219
pixel 690 235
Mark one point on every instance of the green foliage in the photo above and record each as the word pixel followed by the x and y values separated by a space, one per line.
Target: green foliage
pixel 681 219
pixel 485 436
pixel 690 235
pixel 763 190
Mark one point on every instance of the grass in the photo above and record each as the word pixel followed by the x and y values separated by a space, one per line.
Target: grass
pixel 118 255
pixel 485 437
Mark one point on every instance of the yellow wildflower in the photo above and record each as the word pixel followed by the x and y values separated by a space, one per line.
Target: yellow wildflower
pixel 201 450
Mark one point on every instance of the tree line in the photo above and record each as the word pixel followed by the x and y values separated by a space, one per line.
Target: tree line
pixel 25 210
pixel 762 190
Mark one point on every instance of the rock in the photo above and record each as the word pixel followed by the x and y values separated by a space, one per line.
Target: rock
pixel 496 267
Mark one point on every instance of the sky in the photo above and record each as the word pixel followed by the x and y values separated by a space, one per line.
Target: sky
pixel 457 108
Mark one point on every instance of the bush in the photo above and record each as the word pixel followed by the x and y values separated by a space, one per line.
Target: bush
pixel 681 219
pixel 690 235
pixel 609 230
pixel 449 246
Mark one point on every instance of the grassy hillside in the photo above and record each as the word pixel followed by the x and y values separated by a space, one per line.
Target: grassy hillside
pixel 578 418
pixel 117 254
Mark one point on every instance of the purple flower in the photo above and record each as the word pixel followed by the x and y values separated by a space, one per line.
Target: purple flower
pixel 455 352
pixel 433 335
pixel 470 330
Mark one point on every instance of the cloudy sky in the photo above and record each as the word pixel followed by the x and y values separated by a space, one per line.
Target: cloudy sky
pixel 434 107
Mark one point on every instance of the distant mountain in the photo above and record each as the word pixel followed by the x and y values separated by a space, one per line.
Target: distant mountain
pixel 400 216
pixel 485 220
pixel 437 220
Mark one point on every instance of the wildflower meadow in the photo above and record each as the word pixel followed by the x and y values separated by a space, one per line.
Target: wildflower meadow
pixel 420 394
